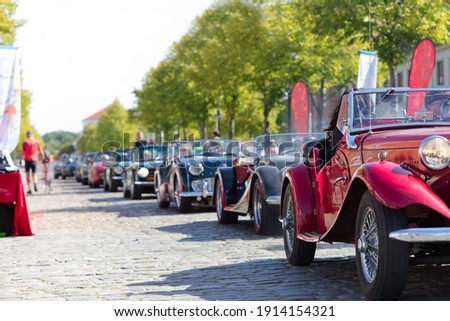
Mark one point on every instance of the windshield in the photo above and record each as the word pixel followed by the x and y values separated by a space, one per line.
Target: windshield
pixel 207 147
pixel 399 107
pixel 152 153
pixel 283 144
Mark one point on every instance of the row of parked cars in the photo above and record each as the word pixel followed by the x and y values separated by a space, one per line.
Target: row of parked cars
pixel 379 178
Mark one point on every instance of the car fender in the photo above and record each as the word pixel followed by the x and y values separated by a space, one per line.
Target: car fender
pixel 227 177
pixel 163 188
pixel 299 177
pixel 270 179
pixel 397 188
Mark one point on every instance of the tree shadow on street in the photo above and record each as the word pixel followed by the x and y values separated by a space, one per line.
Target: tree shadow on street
pixel 329 279
pixel 197 231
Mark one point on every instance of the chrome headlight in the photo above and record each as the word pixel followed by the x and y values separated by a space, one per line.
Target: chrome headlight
pixel 118 170
pixel 435 152
pixel 196 170
pixel 143 172
pixel 197 186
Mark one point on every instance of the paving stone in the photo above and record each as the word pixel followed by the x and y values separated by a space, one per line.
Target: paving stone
pixel 92 245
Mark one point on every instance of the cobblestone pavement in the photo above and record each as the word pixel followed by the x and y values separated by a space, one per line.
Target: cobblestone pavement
pixel 92 245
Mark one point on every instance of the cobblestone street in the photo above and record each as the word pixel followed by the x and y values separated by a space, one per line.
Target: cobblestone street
pixel 92 245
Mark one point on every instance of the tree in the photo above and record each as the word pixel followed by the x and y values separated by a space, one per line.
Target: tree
pixel 391 28
pixel 231 34
pixel 326 64
pixel 88 139
pixel 114 128
pixel 8 24
pixel 54 141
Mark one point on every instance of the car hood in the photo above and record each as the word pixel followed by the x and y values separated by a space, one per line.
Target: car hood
pixel 400 138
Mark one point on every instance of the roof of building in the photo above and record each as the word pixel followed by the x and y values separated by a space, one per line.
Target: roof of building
pixel 97 115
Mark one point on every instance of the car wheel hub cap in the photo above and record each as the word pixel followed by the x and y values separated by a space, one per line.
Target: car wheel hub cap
pixel 289 228
pixel 257 209
pixel 368 245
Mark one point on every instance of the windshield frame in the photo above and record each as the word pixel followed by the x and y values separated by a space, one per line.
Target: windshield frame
pixel 352 132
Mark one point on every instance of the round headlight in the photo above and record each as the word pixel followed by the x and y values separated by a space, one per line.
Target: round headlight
pixel 435 152
pixel 196 170
pixel 118 170
pixel 143 172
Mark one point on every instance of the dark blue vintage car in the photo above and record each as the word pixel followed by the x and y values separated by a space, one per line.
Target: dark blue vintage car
pixel 114 172
pixel 253 184
pixel 187 175
pixel 139 174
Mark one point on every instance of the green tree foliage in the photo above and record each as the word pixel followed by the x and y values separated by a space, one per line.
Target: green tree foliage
pixel 8 24
pixel 88 139
pixel 67 148
pixel 25 124
pixel 391 28
pixel 57 142
pixel 242 57
pixel 116 129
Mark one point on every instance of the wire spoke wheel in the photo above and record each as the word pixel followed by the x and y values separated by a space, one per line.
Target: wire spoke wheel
pixel 382 263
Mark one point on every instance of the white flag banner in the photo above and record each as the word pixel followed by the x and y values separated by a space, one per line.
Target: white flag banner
pixel 367 74
pixel 10 103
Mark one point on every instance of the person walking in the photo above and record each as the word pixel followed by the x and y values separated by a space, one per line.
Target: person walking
pixel 30 153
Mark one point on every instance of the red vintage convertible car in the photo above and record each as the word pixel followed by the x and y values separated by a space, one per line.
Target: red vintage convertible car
pixel 381 180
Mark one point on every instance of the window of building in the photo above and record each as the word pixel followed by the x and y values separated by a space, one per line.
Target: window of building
pixel 440 73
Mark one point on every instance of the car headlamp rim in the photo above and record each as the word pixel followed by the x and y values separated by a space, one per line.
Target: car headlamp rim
pixel 425 156
pixel 195 169
pixel 118 170
pixel 143 172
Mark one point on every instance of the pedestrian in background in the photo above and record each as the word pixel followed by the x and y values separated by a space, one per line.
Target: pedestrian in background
pixel 140 141
pixel 30 153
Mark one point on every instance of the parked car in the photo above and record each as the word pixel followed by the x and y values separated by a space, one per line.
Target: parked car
pixel 78 167
pixel 253 184
pixel 68 167
pixel 83 167
pixel 381 181
pixel 139 174
pixel 187 175
pixel 113 176
pixel 96 168
pixel 57 169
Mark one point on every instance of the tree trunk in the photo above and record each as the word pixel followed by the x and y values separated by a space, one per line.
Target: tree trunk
pixel 391 75
pixel 266 117
pixel 231 131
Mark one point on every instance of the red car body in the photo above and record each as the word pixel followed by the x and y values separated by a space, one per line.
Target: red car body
pixel 96 169
pixel 377 189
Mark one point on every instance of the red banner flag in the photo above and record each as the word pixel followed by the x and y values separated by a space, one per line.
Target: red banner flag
pixel 422 65
pixel 299 105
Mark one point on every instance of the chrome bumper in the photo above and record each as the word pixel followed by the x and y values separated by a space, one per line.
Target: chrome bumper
pixel 196 194
pixel 144 183
pixel 422 235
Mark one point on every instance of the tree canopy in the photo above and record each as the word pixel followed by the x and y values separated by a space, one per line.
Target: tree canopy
pixel 240 58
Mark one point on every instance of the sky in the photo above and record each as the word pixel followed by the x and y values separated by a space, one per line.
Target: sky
pixel 79 55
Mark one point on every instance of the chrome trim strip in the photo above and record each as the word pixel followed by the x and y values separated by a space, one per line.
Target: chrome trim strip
pixel 195 194
pixel 432 234
pixel 144 183
pixel 273 200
